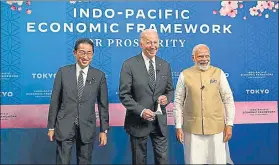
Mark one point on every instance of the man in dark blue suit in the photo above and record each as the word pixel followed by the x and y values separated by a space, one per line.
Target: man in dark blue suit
pixel 72 117
pixel 145 86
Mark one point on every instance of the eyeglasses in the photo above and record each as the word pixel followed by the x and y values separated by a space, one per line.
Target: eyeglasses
pixel 83 53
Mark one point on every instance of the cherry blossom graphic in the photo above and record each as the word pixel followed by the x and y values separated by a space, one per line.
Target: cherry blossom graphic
pixel 232 8
pixel 262 5
pixel 254 11
pixel 229 8
pixel 20 5
pixel 224 11
pixel 270 5
pixel 215 12
pixel 28 3
pixel 13 7
pixel 28 11
pixel 73 2
pixel 19 8
pixel 232 13
pixel 230 4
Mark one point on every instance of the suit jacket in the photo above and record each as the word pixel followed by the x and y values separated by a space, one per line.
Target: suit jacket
pixel 64 104
pixel 136 94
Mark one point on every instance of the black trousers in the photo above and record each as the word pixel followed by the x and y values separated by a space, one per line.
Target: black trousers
pixel 159 144
pixel 83 150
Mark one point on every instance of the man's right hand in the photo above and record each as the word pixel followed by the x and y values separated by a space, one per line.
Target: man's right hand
pixel 179 135
pixel 51 135
pixel 148 115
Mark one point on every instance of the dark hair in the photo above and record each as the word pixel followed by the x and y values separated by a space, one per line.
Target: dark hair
pixel 84 41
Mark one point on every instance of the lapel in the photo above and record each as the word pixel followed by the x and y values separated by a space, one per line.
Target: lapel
pixel 73 80
pixel 158 71
pixel 143 70
pixel 90 80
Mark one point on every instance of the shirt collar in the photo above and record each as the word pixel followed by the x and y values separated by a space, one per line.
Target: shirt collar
pixel 146 59
pixel 78 68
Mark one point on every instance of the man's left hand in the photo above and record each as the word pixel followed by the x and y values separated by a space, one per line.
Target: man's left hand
pixel 102 139
pixel 162 100
pixel 227 133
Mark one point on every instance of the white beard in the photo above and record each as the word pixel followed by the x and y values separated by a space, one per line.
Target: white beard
pixel 202 67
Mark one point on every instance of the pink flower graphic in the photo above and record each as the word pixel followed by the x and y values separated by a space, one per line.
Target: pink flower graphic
pixel 230 4
pixel 254 11
pixel 232 13
pixel 73 2
pixel 232 8
pixel 270 5
pixel 262 5
pixel 28 11
pixel 13 7
pixel 19 5
pixel 215 12
pixel 17 2
pixel 28 3
pixel 224 11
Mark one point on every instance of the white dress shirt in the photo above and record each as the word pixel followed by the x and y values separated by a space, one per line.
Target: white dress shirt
pixel 146 62
pixel 84 74
pixel 226 96
pixel 85 71
pixel 78 69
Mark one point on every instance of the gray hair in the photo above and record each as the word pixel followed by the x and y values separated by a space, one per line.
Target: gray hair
pixel 197 47
pixel 145 31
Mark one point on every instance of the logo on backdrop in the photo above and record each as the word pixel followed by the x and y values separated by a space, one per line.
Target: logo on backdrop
pixel 227 75
pixel 259 111
pixel 131 22
pixel 6 94
pixel 40 93
pixel 256 74
pixel 257 91
pixel 43 75
pixel 8 75
pixel 7 116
